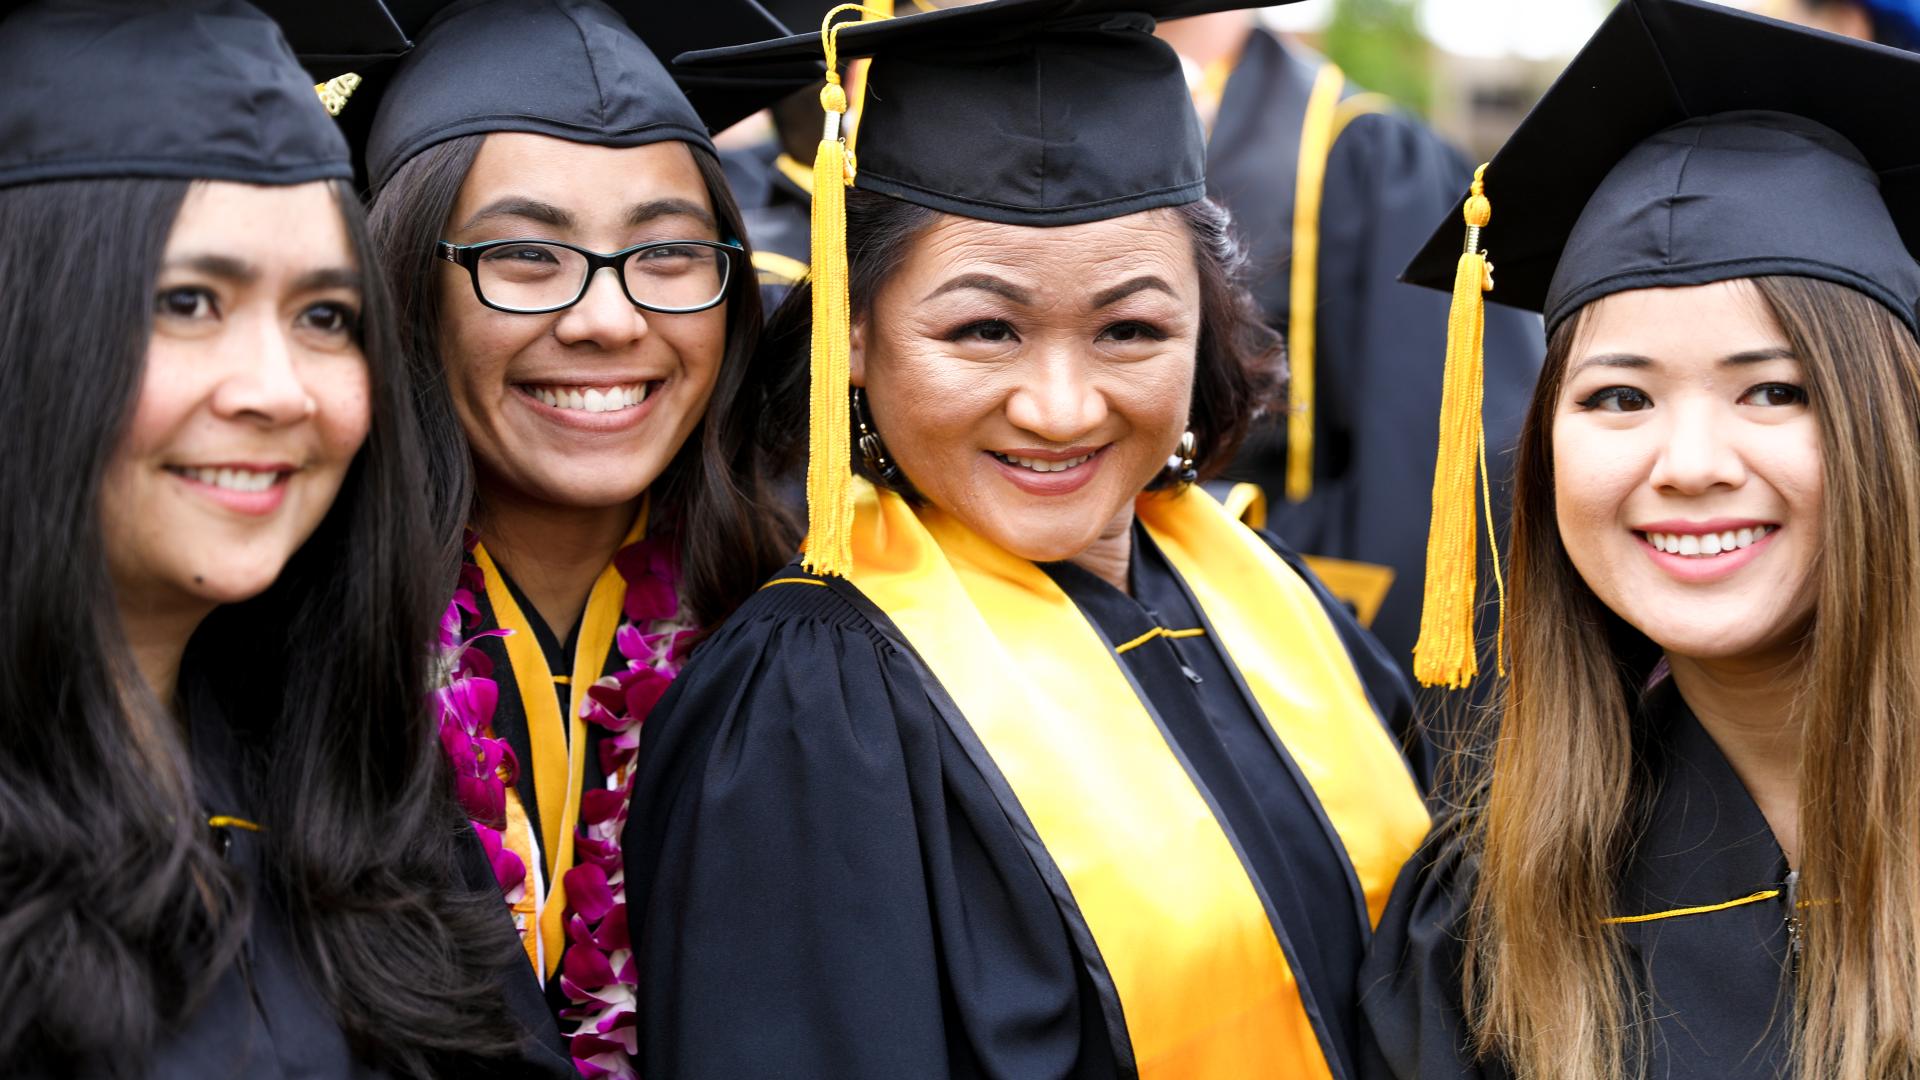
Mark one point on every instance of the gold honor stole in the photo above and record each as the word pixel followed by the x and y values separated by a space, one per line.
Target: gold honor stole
pixel 559 746
pixel 1202 982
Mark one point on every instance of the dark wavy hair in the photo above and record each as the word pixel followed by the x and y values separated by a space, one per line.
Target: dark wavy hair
pixel 118 916
pixel 717 490
pixel 1239 370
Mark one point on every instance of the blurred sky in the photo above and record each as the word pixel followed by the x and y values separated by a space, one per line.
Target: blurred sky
pixel 1532 29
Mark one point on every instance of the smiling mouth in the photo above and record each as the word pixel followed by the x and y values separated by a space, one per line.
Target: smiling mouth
pixel 1042 466
pixel 248 480
pixel 593 399
pixel 1706 545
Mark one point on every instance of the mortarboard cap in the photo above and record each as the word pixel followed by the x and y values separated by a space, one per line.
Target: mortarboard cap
pixel 580 70
pixel 193 89
pixel 1690 142
pixel 1687 143
pixel 1022 112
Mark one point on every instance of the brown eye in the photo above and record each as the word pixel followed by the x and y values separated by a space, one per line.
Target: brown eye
pixel 992 331
pixel 1775 395
pixel 1618 399
pixel 184 303
pixel 1131 332
pixel 333 319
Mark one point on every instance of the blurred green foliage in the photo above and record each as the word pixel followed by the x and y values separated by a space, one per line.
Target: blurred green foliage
pixel 1379 45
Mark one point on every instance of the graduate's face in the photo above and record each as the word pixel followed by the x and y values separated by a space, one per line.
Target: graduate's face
pixel 534 392
pixel 1031 381
pixel 1687 470
pixel 253 403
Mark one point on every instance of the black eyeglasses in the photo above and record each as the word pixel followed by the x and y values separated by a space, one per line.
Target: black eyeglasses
pixel 534 277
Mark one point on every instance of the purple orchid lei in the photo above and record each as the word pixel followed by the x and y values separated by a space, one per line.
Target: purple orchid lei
pixel 483 766
pixel 597 973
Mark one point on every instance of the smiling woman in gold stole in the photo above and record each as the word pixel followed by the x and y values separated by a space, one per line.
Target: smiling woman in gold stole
pixel 1039 763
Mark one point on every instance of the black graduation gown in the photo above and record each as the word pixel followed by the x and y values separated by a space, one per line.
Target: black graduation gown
pixel 824 885
pixel 1380 342
pixel 1719 981
pixel 263 1018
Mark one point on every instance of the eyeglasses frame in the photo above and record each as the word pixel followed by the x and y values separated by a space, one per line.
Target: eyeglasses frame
pixel 467 256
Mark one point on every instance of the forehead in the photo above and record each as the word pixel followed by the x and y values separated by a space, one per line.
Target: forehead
pixel 1698 322
pixel 297 226
pixel 1149 242
pixel 587 181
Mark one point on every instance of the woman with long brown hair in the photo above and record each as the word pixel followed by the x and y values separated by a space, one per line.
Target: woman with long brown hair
pixel 1696 852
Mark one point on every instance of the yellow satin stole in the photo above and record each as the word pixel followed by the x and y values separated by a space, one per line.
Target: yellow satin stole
pixel 559 746
pixel 1202 981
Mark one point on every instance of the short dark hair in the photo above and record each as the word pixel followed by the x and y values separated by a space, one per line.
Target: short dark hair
pixel 717 491
pixel 1239 366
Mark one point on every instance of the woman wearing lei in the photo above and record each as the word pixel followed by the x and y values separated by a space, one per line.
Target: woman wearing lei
pixel 606 523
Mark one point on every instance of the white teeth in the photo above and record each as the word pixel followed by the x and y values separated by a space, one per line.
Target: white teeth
pixel 1038 465
pixel 592 399
pixel 233 479
pixel 1707 545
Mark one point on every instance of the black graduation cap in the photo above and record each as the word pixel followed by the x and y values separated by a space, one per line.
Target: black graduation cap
pixel 191 89
pixel 1026 112
pixel 576 69
pixel 1687 143
pixel 1690 143
pixel 1023 112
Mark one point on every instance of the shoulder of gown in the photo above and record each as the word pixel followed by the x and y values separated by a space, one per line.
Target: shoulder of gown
pixel 820 884
pixel 1414 1015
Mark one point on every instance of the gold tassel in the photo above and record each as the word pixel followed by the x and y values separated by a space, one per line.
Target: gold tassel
pixel 1444 655
pixel 829 543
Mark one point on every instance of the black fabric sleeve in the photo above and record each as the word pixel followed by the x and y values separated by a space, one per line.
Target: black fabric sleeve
pixel 1414 1015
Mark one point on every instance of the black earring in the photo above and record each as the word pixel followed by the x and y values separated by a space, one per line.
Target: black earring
pixel 1181 463
pixel 872 450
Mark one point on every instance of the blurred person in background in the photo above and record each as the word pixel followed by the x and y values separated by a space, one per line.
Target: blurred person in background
pixel 1333 189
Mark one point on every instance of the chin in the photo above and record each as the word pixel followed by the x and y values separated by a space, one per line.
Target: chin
pixel 1712 636
pixel 1043 542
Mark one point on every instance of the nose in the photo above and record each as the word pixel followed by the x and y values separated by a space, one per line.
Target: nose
pixel 1056 398
pixel 264 385
pixel 604 317
pixel 1698 453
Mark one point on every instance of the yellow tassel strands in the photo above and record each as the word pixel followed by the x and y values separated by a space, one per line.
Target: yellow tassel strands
pixel 829 549
pixel 1444 655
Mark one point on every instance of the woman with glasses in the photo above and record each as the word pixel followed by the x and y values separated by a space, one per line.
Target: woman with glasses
pixel 228 846
pixel 575 292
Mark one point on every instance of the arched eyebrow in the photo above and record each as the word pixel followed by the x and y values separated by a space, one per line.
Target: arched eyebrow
pixel 642 213
pixel 1128 288
pixel 1629 360
pixel 242 273
pixel 985 283
pixel 518 206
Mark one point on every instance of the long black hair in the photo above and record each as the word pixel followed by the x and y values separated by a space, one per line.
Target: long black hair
pixel 718 491
pixel 116 915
